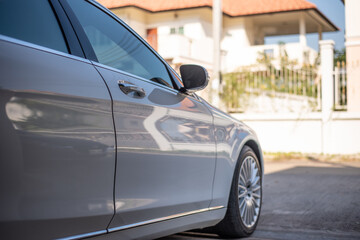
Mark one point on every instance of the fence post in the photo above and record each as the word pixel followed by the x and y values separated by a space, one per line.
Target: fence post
pixel 327 91
pixel 217 30
pixel 336 82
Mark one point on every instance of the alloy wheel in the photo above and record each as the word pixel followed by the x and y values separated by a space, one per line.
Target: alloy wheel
pixel 249 191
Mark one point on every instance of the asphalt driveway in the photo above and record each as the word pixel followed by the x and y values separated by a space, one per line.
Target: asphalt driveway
pixel 306 199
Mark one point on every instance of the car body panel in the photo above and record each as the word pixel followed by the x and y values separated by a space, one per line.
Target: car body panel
pixel 165 151
pixel 168 227
pixel 82 158
pixel 57 147
pixel 231 135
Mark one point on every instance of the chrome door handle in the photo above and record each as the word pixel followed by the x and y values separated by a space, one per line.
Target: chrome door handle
pixel 131 89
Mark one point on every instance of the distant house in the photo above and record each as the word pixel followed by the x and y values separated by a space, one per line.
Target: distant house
pixel 181 30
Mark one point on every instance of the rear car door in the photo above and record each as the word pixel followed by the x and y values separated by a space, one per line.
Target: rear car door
pixel 165 141
pixel 57 141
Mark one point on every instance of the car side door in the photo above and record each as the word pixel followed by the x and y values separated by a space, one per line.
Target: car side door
pixel 57 141
pixel 165 140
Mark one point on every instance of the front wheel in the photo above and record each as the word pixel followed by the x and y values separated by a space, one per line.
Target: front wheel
pixel 245 197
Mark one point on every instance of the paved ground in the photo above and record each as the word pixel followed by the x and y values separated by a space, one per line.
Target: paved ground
pixel 306 200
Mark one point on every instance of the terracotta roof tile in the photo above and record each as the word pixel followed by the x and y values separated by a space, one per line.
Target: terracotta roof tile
pixel 230 7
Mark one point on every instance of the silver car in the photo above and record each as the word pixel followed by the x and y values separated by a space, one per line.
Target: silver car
pixel 101 139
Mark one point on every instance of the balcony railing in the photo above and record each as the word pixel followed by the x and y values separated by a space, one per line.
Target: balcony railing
pixel 298 88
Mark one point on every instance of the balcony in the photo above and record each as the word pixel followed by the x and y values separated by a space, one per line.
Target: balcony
pixel 181 49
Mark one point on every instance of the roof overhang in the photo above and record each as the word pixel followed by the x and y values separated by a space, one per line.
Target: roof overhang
pixel 280 22
pixel 287 23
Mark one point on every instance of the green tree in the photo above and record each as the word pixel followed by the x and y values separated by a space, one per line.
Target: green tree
pixel 339 56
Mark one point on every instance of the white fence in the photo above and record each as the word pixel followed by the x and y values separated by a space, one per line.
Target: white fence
pixel 326 130
pixel 283 87
pixel 340 85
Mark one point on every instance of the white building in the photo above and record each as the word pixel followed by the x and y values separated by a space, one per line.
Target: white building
pixel 181 30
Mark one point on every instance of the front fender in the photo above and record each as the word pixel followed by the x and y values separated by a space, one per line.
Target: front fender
pixel 231 136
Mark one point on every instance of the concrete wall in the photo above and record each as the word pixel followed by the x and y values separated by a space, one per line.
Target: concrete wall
pixel 235 39
pixel 304 133
pixel 352 18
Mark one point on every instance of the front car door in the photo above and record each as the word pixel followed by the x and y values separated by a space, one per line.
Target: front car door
pixel 57 142
pixel 165 142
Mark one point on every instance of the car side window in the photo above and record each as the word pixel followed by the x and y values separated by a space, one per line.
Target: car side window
pixel 32 21
pixel 116 47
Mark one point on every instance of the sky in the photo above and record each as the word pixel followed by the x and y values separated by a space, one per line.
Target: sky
pixel 333 10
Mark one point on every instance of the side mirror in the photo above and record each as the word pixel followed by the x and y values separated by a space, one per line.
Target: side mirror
pixel 195 78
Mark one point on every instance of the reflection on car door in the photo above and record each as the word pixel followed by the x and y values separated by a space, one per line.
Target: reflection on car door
pixel 165 142
pixel 57 141
pixel 57 145
pixel 165 151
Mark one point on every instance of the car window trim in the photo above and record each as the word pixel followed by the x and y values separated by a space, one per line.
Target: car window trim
pixel 170 70
pixel 70 38
pixel 79 31
pixel 84 40
pixel 172 90
pixel 137 77
pixel 42 48
pixel 175 76
pixel 127 27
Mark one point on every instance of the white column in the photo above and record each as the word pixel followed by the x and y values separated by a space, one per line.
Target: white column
pixel 320 36
pixel 302 36
pixel 320 32
pixel 327 91
pixel 302 31
pixel 217 29
pixel 352 19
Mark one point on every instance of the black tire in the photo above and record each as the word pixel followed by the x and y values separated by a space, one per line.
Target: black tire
pixel 232 226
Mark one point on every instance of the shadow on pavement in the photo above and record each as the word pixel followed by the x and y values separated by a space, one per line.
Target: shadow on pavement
pixel 306 202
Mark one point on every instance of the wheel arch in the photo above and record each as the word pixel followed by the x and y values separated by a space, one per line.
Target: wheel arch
pixel 229 226
pixel 251 141
pixel 225 168
pixel 258 152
